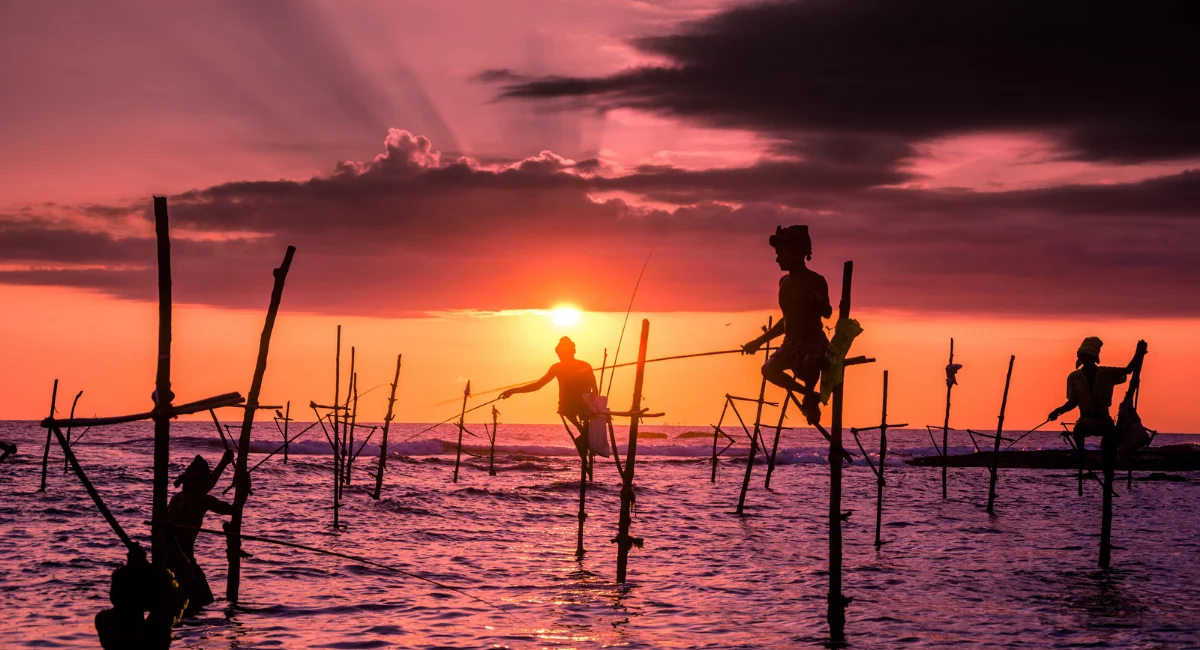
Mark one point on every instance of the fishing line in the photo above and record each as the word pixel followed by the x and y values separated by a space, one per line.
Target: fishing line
pixel 621 338
pixel 1025 434
pixel 353 558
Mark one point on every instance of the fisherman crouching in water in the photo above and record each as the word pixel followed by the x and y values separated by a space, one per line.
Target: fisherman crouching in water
pixel 804 301
pixel 575 379
pixel 138 588
pixel 1090 388
pixel 186 513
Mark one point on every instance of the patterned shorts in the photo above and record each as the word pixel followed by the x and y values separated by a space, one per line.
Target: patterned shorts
pixel 803 359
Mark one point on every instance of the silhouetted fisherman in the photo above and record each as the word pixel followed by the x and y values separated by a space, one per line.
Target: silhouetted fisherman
pixel 575 379
pixel 186 511
pixel 1090 388
pixel 804 301
pixel 138 588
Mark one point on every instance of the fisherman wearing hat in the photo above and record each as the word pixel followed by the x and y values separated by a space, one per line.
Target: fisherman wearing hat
pixel 1090 387
pixel 575 379
pixel 804 301
pixel 186 513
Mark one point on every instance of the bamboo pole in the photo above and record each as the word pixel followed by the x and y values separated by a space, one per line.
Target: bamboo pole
pixel 716 433
pixel 74 403
pixel 623 540
pixel 775 445
pixel 461 425
pixel 582 516
pixel 333 424
pixel 836 601
pixel 762 394
pixel 946 425
pixel 999 434
pixel 348 425
pixel 883 427
pixel 46 454
pixel 387 422
pixel 492 453
pixel 242 487
pixel 287 418
pixel 353 424
pixel 163 397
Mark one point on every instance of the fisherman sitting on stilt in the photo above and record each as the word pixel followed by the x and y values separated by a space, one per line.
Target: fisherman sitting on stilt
pixel 804 301
pixel 575 380
pixel 1090 387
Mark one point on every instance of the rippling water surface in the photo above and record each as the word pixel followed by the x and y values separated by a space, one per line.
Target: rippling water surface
pixel 949 574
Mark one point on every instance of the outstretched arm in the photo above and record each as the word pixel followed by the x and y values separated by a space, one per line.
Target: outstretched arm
pixel 776 330
pixel 1136 362
pixel 1070 404
pixel 529 388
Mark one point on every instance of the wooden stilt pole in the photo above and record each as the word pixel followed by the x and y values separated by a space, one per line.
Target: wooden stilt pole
pixel 241 490
pixel 337 394
pixel 762 393
pixel 492 453
pixel 716 434
pixel 836 602
pixel 348 424
pixel 999 433
pixel 387 422
pixel 350 455
pixel 46 454
pixel 883 427
pixel 287 418
pixel 775 445
pixel 623 540
pixel 74 403
pixel 163 397
pixel 461 425
pixel 583 467
pixel 946 425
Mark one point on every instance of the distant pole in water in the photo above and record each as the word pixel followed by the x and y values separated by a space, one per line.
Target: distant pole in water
pixel 762 393
pixel 287 417
pixel 492 453
pixel 159 530
pixel 836 602
pixel 337 470
pixel 353 426
pixel 241 488
pixel 999 432
pixel 461 424
pixel 387 422
pixel 716 434
pixel 74 403
pixel 623 540
pixel 946 423
pixel 775 445
pixel 883 427
pixel 348 424
pixel 46 454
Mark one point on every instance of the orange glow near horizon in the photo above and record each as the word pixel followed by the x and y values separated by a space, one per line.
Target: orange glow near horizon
pixel 565 316
pixel 106 347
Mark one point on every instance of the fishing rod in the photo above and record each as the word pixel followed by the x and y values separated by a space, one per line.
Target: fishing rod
pixel 1025 434
pixel 621 338
pixel 352 558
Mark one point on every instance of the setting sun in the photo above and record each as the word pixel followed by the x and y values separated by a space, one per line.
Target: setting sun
pixel 565 316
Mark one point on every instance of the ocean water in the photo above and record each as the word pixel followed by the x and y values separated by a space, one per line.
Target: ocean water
pixel 950 575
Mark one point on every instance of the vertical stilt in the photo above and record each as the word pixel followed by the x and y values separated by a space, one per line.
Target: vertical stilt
pixel 348 425
pixel 74 403
pixel 353 426
pixel 337 390
pixel 1108 460
pixel 46 454
pixel 836 602
pixel 1080 460
pixel 492 452
pixel 623 540
pixel 716 434
pixel 159 533
pixel 883 427
pixel 387 421
pixel 762 392
pixel 999 431
pixel 946 425
pixel 241 490
pixel 461 424
pixel 775 445
pixel 582 510
pixel 287 417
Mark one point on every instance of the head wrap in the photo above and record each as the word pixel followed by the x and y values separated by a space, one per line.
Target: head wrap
pixel 198 469
pixel 565 344
pixel 793 239
pixel 1089 349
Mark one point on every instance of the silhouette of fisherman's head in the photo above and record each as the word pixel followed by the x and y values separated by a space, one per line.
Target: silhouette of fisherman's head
pixel 196 476
pixel 792 246
pixel 1089 352
pixel 565 349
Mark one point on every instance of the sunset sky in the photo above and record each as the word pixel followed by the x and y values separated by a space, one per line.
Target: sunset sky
pixel 450 171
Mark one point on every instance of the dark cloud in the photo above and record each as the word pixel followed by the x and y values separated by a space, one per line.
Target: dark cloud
pixel 410 232
pixel 1111 81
